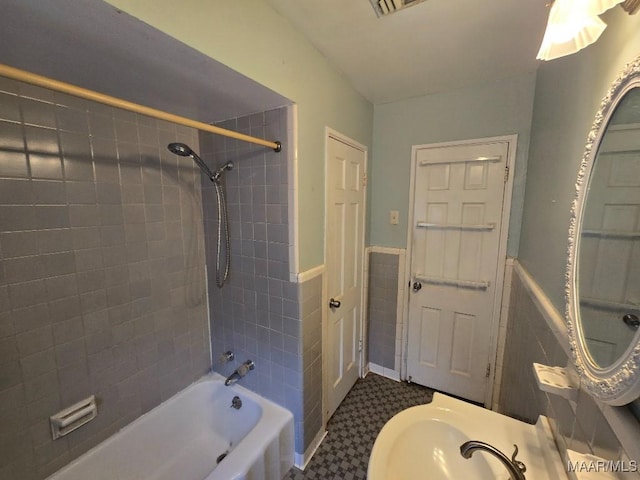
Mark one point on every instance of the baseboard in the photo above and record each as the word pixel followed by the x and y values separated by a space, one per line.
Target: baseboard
pixel 385 372
pixel 302 460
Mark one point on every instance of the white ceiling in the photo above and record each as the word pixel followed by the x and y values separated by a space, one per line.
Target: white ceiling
pixel 434 46
pixel 437 45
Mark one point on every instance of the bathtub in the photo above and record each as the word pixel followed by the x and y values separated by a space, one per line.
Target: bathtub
pixel 195 435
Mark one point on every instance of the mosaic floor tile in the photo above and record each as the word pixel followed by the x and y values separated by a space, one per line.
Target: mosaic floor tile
pixel 344 452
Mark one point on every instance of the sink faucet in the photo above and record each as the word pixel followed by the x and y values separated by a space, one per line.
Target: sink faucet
pixel 240 372
pixel 516 468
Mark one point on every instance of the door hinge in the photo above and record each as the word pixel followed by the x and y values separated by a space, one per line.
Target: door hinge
pixel 360 345
pixel 364 180
pixel 506 173
pixel 488 370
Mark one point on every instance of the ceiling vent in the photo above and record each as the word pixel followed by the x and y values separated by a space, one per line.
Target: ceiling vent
pixel 387 7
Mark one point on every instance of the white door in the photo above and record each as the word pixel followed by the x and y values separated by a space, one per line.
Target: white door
pixel 344 252
pixel 456 233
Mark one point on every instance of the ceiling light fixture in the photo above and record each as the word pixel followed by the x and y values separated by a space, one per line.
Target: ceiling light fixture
pixel 573 25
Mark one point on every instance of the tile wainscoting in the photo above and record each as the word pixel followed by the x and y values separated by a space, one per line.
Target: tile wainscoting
pixel 384 313
pixel 536 333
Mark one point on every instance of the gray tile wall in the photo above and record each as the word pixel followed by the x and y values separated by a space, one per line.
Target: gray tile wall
pixel 257 314
pixel 102 287
pixel 582 427
pixel 382 310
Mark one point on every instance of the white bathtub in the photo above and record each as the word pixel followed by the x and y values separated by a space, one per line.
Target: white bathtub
pixel 184 438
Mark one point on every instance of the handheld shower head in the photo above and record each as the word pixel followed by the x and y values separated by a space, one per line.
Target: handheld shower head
pixel 185 151
pixel 180 149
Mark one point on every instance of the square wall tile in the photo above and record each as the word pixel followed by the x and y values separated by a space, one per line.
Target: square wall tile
pixel 88 260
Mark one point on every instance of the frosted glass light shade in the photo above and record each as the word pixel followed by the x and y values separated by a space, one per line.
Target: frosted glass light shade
pixel 573 25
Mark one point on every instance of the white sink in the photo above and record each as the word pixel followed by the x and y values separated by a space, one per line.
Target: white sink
pixel 424 443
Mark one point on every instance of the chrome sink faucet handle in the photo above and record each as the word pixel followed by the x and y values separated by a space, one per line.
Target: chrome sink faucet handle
pixel 519 465
pixel 515 467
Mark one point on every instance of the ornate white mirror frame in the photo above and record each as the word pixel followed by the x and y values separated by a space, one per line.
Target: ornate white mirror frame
pixel 619 383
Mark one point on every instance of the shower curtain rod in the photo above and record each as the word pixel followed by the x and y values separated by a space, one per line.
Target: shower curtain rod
pixel 40 81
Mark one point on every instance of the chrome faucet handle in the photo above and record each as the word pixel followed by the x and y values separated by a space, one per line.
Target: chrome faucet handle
pixel 226 357
pixel 519 465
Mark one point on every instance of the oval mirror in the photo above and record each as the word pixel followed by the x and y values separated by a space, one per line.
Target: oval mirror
pixel 603 269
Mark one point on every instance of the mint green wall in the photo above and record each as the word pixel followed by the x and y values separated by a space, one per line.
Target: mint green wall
pixel 568 93
pixel 253 39
pixel 488 110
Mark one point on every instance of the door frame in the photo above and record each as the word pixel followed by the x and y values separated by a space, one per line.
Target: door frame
pixel 512 142
pixel 331 133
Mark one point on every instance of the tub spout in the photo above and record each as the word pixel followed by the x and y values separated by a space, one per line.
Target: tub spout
pixel 515 467
pixel 233 378
pixel 240 372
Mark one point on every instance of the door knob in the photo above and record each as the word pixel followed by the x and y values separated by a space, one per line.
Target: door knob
pixel 416 286
pixel 334 303
pixel 632 320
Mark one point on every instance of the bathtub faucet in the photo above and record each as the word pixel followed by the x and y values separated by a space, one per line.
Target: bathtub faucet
pixel 240 372
pixel 516 468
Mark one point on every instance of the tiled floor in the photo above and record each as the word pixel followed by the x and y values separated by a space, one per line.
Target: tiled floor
pixel 344 453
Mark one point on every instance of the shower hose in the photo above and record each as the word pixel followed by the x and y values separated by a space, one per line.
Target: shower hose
pixel 223 224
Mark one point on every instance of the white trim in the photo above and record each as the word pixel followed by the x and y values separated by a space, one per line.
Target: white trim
pixel 292 193
pixel 331 133
pixel 512 143
pixel 384 371
pixel 400 318
pixel 325 359
pixel 365 311
pixel 308 274
pixel 502 332
pixel 302 460
pixel 387 250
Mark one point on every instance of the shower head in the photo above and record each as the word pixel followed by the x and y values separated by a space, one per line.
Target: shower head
pixel 185 151
pixel 180 149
